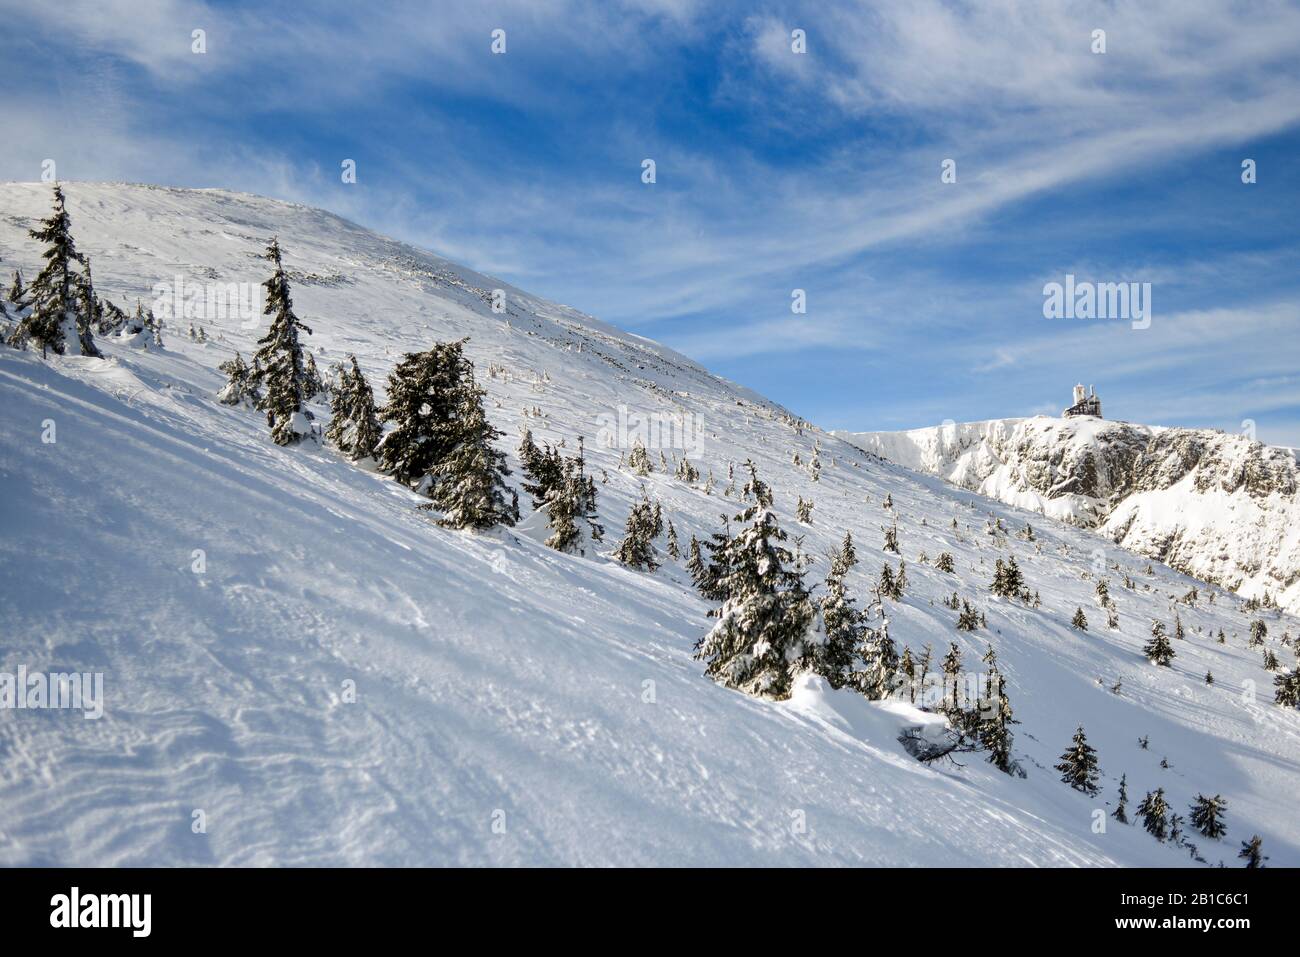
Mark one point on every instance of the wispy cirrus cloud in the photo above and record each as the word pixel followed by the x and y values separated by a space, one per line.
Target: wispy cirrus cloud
pixel 776 170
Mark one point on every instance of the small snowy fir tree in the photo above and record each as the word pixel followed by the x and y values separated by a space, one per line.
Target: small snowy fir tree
pixel 638 460
pixel 1154 812
pixel 280 358
pixel 968 619
pixel 1207 815
pixel 1258 632
pixel 17 291
pixel 995 725
pixel 241 384
pixel 763 625
pixel 354 422
pixel 313 386
pixel 1159 650
pixel 571 508
pixel 468 485
pixel 1288 688
pixel 543 468
pixel 891 539
pixel 1079 621
pixel 1121 809
pixel 1252 852
pixel 944 563
pixel 637 550
pixel 1008 582
pixel 60 317
pixel 842 626
pixel 423 400
pixel 711 579
pixel 1078 765
pixel 952 670
pixel 674 549
pixel 803 512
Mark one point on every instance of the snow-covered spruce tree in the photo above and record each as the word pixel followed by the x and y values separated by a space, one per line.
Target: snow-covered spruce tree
pixel 1079 622
pixel 637 550
pixel 423 400
pixel 1288 688
pixel 638 460
pixel 59 320
pixel 763 625
pixel 877 653
pixel 468 485
pixel 656 520
pixel 354 421
pixel 687 472
pixel 842 628
pixel 280 358
pixel 994 725
pixel 1159 650
pixel 1078 765
pixel 944 563
pixel 968 619
pixel 695 566
pixel 1121 809
pixel 1258 632
pixel 907 668
pixel 111 319
pixel 674 549
pixel 17 291
pixel 711 579
pixel 1252 852
pixel 543 468
pixel 1008 582
pixel 1207 815
pixel 241 384
pixel 952 670
pixel 1154 812
pixel 803 511
pixel 891 538
pixel 314 384
pixel 571 508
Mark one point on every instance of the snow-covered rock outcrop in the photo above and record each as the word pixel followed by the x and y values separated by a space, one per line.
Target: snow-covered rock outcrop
pixel 1220 507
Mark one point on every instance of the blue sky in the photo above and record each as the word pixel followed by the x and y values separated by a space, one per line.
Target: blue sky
pixel 775 171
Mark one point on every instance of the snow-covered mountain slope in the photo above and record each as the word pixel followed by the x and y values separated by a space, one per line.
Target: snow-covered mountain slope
pixel 1220 507
pixel 515 705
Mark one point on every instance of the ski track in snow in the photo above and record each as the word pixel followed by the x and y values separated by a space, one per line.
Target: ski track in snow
pixel 497 679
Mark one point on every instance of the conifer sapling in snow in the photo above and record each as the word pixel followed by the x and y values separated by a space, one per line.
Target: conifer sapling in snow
pixel 280 358
pixel 1154 811
pixel 637 550
pixel 1252 852
pixel 354 423
pixel 241 384
pixel 423 400
pixel 59 320
pixel 1121 809
pixel 841 621
pixel 763 625
pixel 468 485
pixel 571 507
pixel 1158 649
pixel 1080 621
pixel 1207 815
pixel 1078 765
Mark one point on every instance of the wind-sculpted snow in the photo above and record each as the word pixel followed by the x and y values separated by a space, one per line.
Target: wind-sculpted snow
pixel 1220 507
pixel 301 668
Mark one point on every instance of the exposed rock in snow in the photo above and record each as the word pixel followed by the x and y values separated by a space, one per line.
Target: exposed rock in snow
pixel 1220 507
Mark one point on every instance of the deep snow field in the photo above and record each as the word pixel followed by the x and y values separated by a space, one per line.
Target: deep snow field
pixel 515 705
